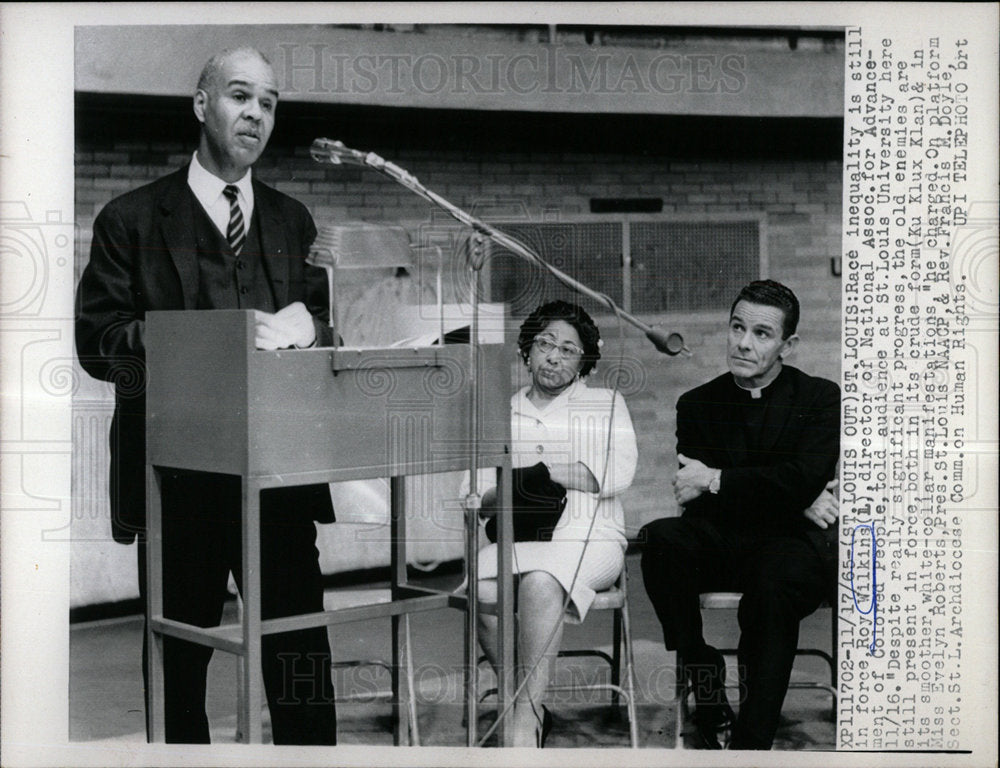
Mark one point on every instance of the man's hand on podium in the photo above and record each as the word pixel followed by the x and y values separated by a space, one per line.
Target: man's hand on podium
pixel 288 327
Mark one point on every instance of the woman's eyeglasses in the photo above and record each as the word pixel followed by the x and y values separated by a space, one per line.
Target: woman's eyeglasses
pixel 567 350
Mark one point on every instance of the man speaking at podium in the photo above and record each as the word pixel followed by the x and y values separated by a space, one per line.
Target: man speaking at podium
pixel 209 236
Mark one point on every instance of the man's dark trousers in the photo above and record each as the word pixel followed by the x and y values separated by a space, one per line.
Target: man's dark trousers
pixel 201 544
pixel 782 579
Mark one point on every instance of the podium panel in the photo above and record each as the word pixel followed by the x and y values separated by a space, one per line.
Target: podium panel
pixel 217 404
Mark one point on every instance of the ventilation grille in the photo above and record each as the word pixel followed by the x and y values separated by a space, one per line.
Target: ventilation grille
pixel 676 266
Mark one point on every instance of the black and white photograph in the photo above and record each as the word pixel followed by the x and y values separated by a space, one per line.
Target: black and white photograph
pixel 397 387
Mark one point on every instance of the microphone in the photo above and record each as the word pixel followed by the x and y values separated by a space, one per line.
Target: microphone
pixel 668 343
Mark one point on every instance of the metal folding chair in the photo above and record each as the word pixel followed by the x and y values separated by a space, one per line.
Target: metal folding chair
pixel 731 601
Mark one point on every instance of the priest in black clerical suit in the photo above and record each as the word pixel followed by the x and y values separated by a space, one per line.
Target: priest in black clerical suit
pixel 757 448
pixel 210 236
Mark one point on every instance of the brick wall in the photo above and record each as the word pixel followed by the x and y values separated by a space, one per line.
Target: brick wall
pixel 801 200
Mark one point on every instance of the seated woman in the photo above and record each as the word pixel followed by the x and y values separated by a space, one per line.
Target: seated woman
pixel 559 428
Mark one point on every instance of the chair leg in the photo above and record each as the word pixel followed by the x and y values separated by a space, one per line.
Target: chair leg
pixel 241 727
pixel 465 694
pixel 633 721
pixel 410 687
pixel 616 657
pixel 680 697
pixel 834 619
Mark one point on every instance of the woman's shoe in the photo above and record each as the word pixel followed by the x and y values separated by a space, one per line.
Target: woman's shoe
pixel 546 726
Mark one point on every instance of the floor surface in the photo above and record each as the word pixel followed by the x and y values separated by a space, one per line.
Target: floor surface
pixel 106 683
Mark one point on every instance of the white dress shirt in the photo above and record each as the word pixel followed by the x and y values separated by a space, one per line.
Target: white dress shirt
pixel 208 187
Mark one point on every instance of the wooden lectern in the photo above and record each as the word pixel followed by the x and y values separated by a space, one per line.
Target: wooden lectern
pixel 295 417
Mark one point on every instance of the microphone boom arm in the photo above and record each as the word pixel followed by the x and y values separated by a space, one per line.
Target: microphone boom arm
pixel 335 153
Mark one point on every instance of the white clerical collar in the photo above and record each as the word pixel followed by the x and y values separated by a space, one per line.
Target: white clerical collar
pixel 207 187
pixel 755 392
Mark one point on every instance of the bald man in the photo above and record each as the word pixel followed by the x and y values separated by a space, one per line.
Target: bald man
pixel 211 236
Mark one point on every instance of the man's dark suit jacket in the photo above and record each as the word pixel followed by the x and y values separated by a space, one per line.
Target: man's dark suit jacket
pixel 144 257
pixel 764 491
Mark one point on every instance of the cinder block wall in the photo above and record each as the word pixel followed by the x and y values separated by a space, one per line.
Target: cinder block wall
pixel 801 200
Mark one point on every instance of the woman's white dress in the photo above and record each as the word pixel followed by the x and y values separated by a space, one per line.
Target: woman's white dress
pixel 574 427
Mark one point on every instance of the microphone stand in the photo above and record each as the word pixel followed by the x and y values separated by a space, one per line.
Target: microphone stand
pixel 336 153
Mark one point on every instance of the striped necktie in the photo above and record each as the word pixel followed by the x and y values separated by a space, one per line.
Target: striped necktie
pixel 236 233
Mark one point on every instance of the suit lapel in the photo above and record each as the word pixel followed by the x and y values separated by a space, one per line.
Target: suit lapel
pixel 273 244
pixel 177 226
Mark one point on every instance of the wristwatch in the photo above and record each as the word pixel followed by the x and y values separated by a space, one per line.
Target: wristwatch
pixel 713 484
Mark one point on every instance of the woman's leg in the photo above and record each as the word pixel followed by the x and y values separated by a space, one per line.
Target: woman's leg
pixel 540 628
pixel 488 625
